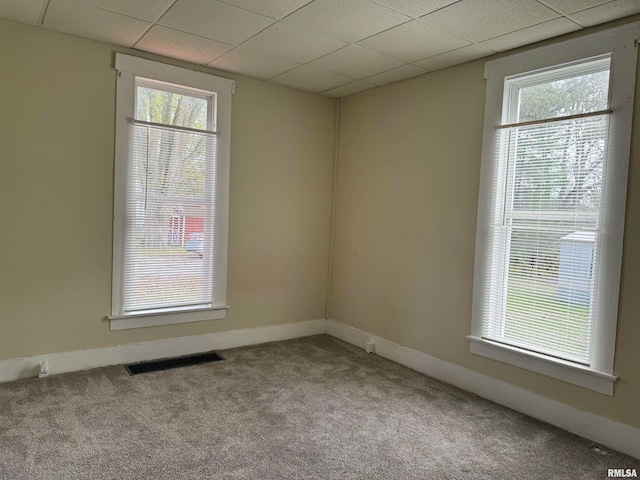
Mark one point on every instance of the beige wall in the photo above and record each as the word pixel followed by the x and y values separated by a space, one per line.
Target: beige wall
pixel 404 226
pixel 57 103
pixel 407 187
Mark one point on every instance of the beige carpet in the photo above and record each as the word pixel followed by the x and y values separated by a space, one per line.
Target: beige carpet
pixel 312 408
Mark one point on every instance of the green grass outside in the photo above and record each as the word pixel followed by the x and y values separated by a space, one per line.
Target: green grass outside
pixel 551 320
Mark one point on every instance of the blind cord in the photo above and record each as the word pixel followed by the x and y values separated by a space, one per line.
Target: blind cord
pixel 146 179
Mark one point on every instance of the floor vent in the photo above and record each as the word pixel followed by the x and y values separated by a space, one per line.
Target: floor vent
pixel 169 363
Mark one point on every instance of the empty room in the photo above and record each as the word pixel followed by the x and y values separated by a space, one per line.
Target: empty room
pixel 319 239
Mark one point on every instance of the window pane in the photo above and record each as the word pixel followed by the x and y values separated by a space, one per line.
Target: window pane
pixel 545 239
pixel 169 237
pixel 169 108
pixel 170 163
pixel 568 96
pixel 558 166
pixel 165 264
pixel 549 290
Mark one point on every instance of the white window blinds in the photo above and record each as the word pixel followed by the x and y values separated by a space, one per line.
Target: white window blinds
pixel 545 226
pixel 169 229
pixel 171 194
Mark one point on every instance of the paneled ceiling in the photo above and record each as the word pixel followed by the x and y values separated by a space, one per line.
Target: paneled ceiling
pixel 333 47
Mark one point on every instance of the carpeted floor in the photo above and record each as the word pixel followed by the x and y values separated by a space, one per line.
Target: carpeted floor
pixel 312 408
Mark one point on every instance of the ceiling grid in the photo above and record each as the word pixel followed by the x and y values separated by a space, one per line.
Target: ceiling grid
pixel 332 47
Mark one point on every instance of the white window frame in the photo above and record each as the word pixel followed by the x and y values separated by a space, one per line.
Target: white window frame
pixel 621 44
pixel 128 69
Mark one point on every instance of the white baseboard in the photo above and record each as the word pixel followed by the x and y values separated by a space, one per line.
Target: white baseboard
pixel 15 369
pixel 603 431
pixel 614 435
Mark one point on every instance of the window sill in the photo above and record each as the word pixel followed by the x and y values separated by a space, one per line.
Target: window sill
pixel 169 317
pixel 562 370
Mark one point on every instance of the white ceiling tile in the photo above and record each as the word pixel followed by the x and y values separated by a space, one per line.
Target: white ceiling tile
pixel 607 12
pixel 311 79
pixel 214 19
pixel 184 46
pixel 570 6
pixel 416 8
pixel 413 41
pixel 23 11
pixel 400 73
pixel 252 64
pixel 271 8
pixel 94 23
pixel 149 10
pixel 542 31
pixel 318 33
pixel 356 62
pixel 349 89
pixel 454 57
pixel 350 20
pixel 293 43
pixel 478 20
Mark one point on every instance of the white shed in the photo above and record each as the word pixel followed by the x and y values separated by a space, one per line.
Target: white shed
pixel 576 267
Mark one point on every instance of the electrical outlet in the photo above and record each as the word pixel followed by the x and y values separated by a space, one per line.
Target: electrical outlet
pixel 369 346
pixel 44 369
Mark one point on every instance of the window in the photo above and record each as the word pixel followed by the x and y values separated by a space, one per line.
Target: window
pixel 551 207
pixel 171 194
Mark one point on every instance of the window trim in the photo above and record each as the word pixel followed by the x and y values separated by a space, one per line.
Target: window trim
pixel 621 43
pixel 128 68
